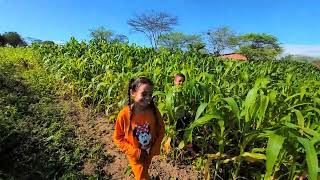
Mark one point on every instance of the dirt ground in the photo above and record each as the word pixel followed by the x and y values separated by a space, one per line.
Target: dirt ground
pixel 99 129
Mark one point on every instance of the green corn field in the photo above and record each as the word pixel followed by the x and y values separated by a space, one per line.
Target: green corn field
pixel 258 120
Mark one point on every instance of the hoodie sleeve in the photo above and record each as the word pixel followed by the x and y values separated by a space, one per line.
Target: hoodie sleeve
pixel 121 141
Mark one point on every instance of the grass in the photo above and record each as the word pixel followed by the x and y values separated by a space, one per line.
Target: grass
pixel 36 140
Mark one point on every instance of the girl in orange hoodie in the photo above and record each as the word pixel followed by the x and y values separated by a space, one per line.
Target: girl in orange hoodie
pixel 139 128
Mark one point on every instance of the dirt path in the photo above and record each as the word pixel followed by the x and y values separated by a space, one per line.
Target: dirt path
pixel 99 129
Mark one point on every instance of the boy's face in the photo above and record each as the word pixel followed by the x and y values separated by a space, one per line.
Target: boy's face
pixel 178 80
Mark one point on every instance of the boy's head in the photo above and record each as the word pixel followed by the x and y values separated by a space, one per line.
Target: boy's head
pixel 179 79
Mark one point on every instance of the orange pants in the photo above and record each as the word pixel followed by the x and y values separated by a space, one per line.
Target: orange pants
pixel 140 169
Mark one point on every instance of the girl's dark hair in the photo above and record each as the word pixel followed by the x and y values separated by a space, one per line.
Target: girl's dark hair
pixel 133 86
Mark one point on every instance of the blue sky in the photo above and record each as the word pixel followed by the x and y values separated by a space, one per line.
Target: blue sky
pixel 294 22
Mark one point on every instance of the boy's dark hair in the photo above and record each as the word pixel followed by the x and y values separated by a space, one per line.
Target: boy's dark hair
pixel 133 86
pixel 180 75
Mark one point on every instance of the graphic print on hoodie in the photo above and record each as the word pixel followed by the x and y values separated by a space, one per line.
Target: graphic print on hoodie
pixel 142 133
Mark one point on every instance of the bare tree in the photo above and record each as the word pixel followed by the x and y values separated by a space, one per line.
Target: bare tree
pixel 153 24
pixel 221 39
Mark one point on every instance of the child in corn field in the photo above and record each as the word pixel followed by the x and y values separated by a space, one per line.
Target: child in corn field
pixel 179 79
pixel 139 128
pixel 183 118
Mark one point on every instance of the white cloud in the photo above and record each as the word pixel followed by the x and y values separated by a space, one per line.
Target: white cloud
pixel 302 49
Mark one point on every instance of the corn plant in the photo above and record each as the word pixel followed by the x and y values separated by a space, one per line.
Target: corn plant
pixel 248 119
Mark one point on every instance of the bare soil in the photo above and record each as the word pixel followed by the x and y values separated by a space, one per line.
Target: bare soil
pixel 99 129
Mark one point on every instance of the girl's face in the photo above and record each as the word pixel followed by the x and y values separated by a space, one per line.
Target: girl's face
pixel 143 95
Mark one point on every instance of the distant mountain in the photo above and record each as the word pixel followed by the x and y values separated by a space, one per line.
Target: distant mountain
pixel 30 40
pixel 304 58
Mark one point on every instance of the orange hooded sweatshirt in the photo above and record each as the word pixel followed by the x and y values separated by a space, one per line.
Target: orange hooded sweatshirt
pixel 142 132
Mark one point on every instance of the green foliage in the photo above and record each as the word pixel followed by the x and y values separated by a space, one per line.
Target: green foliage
pixel 12 38
pixel 197 47
pixel 2 40
pixel 248 119
pixel 48 43
pixel 259 46
pixel 35 140
pixel 120 38
pixel 222 39
pixel 101 33
pixel 178 40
